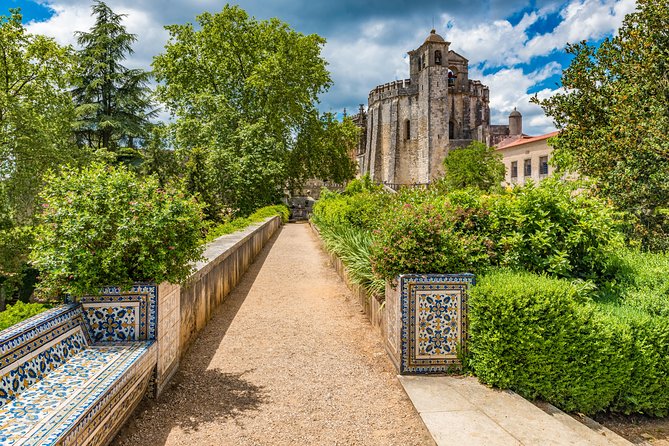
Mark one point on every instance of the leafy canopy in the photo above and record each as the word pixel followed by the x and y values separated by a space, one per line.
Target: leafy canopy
pixel 475 165
pixel 244 93
pixel 614 121
pixel 104 226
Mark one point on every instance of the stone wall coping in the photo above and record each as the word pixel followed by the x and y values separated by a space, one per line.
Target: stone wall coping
pixel 224 246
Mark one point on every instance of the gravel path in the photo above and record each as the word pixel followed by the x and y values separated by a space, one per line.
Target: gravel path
pixel 288 359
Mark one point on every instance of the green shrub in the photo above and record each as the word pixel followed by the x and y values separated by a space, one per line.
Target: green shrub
pixel 241 223
pixel 419 239
pixel 360 210
pixel 19 312
pixel 647 387
pixel 554 229
pixel 105 226
pixel 543 338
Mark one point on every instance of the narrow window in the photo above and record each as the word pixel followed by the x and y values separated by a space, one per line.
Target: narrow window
pixel 543 165
pixel 514 169
pixel 408 129
pixel 437 57
pixel 451 130
pixel 423 60
pixel 420 63
pixel 528 168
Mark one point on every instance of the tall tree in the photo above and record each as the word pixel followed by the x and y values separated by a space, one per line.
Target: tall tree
pixel 475 165
pixel 36 115
pixel 241 89
pixel 324 149
pixel 614 118
pixel 113 102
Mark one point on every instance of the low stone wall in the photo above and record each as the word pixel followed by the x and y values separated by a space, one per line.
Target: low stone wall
pixel 374 309
pixel 183 311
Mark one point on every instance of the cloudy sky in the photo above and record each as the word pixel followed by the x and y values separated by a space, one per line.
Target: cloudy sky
pixel 516 47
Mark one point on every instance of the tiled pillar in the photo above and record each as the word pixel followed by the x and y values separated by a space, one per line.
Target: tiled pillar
pixel 169 324
pixel 426 322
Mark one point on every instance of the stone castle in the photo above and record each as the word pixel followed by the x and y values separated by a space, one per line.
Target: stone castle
pixel 410 125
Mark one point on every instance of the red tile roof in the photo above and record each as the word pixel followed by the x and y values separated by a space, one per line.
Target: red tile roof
pixel 524 140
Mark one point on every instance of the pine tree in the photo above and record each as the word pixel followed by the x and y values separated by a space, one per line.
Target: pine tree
pixel 113 102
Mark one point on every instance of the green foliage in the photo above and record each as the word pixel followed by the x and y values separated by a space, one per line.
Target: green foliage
pixel 36 113
pixel 546 228
pixel 540 337
pixel 546 339
pixel 418 238
pixel 359 206
pixel 323 150
pixel 242 222
pixel 19 312
pixel 113 102
pixel 613 119
pixel 475 165
pixel 242 90
pixel 555 229
pixel 105 226
pixel 353 246
pixel 158 158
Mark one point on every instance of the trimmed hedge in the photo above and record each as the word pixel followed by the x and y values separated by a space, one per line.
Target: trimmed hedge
pixel 545 338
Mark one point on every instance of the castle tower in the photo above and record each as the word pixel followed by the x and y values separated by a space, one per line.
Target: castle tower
pixel 411 124
pixel 515 123
pixel 429 71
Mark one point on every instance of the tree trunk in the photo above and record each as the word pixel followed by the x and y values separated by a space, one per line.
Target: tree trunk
pixel 3 303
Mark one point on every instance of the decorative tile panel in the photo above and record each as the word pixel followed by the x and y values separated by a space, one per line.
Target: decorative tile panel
pixel 116 316
pixel 433 321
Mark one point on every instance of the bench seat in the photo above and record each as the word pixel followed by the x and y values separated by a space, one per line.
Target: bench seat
pixel 95 381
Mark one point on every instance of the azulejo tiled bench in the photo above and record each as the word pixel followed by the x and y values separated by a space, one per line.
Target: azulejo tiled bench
pixel 73 374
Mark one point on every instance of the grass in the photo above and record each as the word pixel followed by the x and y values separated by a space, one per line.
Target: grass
pixel 353 246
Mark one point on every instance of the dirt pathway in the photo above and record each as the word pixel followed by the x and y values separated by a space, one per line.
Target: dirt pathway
pixel 288 359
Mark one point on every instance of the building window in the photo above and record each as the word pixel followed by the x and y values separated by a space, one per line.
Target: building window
pixel 451 130
pixel 451 78
pixel 420 63
pixel 408 129
pixel 514 169
pixel 528 168
pixel 437 57
pixel 543 165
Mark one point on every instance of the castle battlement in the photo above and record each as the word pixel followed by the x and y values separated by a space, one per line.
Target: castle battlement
pixel 392 89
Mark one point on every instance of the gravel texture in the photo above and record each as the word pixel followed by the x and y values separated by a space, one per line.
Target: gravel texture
pixel 288 359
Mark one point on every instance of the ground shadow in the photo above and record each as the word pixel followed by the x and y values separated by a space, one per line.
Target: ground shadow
pixel 197 394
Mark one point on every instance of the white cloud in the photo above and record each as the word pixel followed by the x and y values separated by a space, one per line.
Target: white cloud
pixel 500 43
pixel 69 17
pixel 509 88
pixel 581 20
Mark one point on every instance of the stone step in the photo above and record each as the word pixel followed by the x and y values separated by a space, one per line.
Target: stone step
pixel 460 411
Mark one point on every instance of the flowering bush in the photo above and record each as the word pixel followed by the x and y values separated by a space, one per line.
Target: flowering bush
pixel 106 226
pixel 417 238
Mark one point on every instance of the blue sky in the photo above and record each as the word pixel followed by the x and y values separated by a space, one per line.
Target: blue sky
pixel 516 47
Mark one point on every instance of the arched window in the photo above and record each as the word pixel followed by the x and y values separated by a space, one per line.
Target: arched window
pixel 437 57
pixel 420 63
pixel 451 130
pixel 407 126
pixel 451 78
